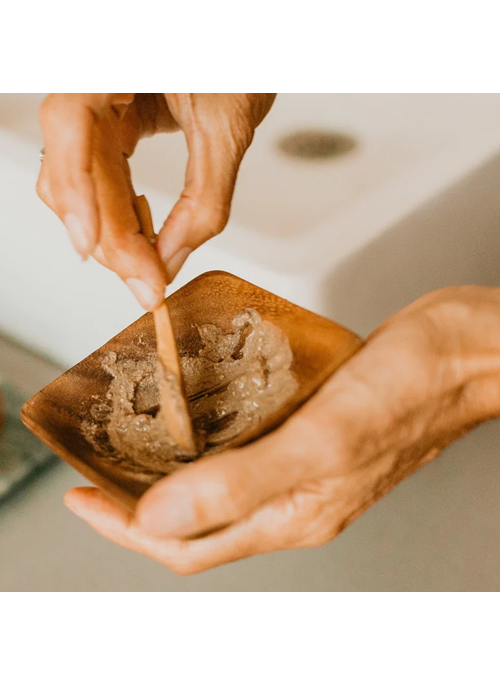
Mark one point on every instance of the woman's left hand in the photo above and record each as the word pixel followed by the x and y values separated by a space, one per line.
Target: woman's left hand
pixel 426 376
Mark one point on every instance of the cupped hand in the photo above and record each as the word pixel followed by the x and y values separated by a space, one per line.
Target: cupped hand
pixel 426 376
pixel 85 176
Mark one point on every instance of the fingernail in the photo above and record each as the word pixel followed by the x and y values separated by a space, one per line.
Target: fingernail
pixel 77 235
pixel 144 293
pixel 175 263
pixel 175 519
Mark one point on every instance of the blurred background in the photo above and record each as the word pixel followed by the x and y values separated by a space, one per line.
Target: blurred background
pixel 350 205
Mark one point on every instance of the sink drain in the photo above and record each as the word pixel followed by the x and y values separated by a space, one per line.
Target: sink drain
pixel 316 145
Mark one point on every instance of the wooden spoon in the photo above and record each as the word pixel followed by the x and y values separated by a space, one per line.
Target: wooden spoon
pixel 173 403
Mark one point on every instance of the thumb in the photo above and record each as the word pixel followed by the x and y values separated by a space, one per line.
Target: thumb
pixel 205 203
pixel 223 488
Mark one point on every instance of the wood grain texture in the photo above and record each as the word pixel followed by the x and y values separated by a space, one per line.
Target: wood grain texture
pixel 55 414
pixel 173 402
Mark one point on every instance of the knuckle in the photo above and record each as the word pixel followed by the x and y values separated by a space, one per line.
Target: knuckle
pixel 321 537
pixel 47 108
pixel 320 533
pixel 120 249
pixel 211 220
pixel 42 189
pixel 218 503
pixel 71 105
pixel 182 566
pixel 110 259
pixel 316 519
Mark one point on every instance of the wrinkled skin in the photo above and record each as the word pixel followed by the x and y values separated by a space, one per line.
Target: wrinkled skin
pixel 426 376
pixel 85 176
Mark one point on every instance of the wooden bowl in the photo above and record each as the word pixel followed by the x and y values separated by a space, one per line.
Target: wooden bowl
pixel 55 414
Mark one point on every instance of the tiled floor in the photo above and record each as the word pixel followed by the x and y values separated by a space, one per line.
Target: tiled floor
pixel 438 530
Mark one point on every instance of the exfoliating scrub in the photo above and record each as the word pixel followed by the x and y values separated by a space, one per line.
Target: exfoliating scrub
pixel 233 380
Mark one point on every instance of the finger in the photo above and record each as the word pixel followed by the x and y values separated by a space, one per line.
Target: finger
pixel 68 125
pixel 83 151
pixel 122 247
pixel 44 192
pixel 115 523
pixel 204 206
pixel 224 488
pixel 43 186
pixel 273 527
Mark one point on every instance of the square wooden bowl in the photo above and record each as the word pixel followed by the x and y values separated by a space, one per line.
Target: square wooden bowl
pixel 55 414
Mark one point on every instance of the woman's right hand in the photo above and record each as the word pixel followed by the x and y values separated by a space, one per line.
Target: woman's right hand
pixel 85 176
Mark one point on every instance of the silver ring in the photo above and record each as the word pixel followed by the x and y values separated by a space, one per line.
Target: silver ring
pixel 42 154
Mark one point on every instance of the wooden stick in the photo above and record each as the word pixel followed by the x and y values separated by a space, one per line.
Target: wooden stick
pixel 173 404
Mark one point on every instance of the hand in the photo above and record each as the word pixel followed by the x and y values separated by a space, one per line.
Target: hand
pixel 85 176
pixel 429 374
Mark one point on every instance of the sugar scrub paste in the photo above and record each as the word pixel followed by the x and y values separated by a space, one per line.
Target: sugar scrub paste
pixel 232 380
